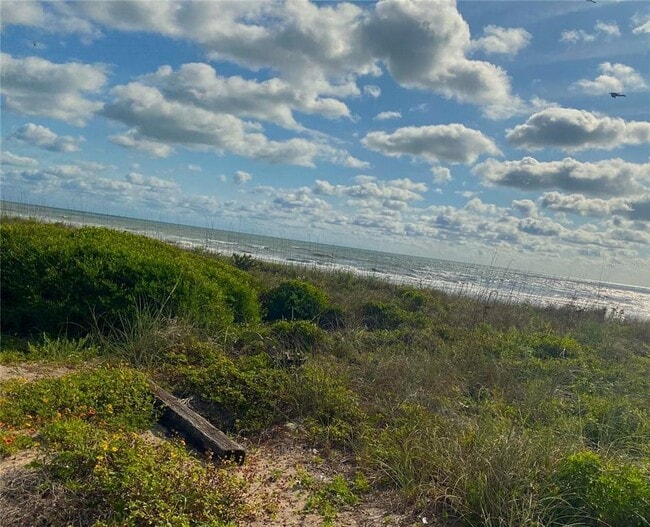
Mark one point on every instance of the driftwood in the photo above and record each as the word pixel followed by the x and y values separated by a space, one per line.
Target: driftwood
pixel 195 428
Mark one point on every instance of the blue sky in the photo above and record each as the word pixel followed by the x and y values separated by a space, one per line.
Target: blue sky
pixel 474 131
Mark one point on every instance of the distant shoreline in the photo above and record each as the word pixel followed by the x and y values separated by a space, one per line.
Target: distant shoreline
pixel 472 280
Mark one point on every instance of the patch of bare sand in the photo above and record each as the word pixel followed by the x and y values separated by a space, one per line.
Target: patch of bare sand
pixel 17 461
pixel 275 469
pixel 31 371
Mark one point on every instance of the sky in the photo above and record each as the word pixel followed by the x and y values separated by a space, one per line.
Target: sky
pixel 477 131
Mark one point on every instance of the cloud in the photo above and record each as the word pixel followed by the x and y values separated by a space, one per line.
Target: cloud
pixel 611 177
pixel 424 45
pixel 583 206
pixel 195 108
pixel 643 24
pixel 573 130
pixel 35 86
pixel 8 158
pixel 52 17
pixel 155 118
pixel 241 177
pixel 152 182
pixel 67 179
pixel 372 90
pixel 605 28
pixel 452 143
pixel 273 100
pixel 640 209
pixel 325 48
pixel 613 78
pixel 601 30
pixel 303 199
pixel 441 175
pixel 311 46
pixel 340 156
pixel 526 207
pixel 385 116
pixel 508 41
pixel 540 227
pixel 132 139
pixel 45 138
pixel 367 188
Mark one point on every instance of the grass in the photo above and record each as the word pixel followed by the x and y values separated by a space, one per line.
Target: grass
pixel 470 411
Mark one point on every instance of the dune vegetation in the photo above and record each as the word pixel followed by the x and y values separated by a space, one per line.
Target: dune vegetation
pixel 465 411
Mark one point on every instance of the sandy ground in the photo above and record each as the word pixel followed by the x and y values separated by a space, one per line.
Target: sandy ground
pixel 31 371
pixel 274 469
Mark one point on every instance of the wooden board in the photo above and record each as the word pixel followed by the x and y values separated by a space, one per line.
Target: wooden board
pixel 196 429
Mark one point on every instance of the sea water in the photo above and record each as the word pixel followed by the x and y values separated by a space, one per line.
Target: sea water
pixel 495 283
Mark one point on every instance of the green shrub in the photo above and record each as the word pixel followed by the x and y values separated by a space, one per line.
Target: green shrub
pixel 245 262
pixel 413 299
pixel 552 345
pixel 332 318
pixel 604 493
pixel 115 397
pixel 123 479
pixel 298 335
pixel 328 498
pixel 614 422
pixel 330 409
pixel 59 278
pixel 244 394
pixel 379 315
pixel 294 300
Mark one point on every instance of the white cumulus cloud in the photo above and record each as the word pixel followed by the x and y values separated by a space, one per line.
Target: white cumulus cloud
pixel 440 174
pixel 452 143
pixel 9 158
pixel 43 137
pixel 132 139
pixel 641 24
pixel 613 78
pixel 601 30
pixel 573 130
pixel 325 48
pixel 385 116
pixel 35 86
pixel 611 177
pixel 507 41
pixel 241 177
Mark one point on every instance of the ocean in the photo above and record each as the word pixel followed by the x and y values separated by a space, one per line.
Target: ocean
pixel 495 283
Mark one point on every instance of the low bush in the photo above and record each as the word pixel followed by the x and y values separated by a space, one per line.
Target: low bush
pixel 115 397
pixel 614 422
pixel 379 315
pixel 598 492
pixel 294 300
pixel 122 479
pixel 56 278
pixel 298 335
pixel 332 318
pixel 51 349
pixel 413 299
pixel 244 394
pixel 245 262
pixel 328 498
pixel 96 467
pixel 330 410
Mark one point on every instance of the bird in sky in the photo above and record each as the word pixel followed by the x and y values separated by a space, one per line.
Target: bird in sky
pixel 615 94
pixel 592 1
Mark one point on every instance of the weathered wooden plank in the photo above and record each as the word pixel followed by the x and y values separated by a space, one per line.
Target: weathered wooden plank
pixel 196 429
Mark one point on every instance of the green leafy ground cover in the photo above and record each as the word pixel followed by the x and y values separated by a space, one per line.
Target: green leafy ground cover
pixel 469 411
